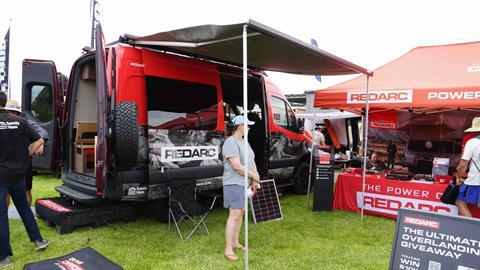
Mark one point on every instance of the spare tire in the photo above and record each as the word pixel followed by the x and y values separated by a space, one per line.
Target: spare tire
pixel 125 135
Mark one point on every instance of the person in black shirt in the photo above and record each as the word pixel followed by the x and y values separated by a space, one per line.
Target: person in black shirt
pixel 392 154
pixel 374 163
pixel 13 107
pixel 17 143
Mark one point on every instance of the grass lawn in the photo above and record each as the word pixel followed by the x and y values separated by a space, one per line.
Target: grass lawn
pixel 302 240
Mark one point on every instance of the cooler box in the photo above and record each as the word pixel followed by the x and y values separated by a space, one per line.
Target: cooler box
pixel 442 179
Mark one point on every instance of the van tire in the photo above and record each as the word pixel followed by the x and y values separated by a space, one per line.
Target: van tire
pixel 125 135
pixel 300 178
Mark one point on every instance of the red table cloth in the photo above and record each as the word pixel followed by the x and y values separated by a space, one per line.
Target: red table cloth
pixel 384 197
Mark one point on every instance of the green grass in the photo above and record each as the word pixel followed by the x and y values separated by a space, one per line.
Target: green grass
pixel 44 187
pixel 302 240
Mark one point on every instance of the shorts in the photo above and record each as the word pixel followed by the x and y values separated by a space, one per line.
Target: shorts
pixel 468 194
pixel 234 196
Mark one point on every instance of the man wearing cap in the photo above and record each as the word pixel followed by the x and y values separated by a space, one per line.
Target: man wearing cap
pixel 233 153
pixel 17 142
pixel 469 190
pixel 13 107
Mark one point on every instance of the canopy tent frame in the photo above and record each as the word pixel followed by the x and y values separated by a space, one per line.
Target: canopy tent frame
pixel 428 88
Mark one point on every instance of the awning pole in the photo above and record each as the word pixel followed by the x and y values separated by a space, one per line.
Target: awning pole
pixel 311 157
pixel 365 149
pixel 245 137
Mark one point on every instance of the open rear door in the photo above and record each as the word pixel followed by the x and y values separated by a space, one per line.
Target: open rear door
pixel 41 98
pixel 101 149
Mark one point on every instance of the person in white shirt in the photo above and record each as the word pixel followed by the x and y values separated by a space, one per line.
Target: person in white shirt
pixel 469 189
pixel 319 137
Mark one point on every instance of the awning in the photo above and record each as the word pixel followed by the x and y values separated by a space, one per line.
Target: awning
pixel 268 49
pixel 426 79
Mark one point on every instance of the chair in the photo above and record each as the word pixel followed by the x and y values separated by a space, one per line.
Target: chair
pixel 183 206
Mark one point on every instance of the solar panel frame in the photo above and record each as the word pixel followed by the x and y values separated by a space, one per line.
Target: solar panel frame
pixel 266 186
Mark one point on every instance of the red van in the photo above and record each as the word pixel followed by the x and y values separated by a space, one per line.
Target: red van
pixel 135 116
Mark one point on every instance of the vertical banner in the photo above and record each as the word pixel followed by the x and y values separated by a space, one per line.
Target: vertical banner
pixel 4 52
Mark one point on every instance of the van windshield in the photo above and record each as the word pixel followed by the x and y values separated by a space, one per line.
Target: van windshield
pixel 176 104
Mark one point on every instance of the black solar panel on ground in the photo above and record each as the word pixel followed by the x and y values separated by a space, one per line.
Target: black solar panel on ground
pixel 265 204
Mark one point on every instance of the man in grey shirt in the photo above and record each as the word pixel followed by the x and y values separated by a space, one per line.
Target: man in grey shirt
pixel 234 170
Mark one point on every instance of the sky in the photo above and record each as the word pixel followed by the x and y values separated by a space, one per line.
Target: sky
pixel 367 33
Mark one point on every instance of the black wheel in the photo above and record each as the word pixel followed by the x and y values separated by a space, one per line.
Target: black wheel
pixel 300 178
pixel 125 135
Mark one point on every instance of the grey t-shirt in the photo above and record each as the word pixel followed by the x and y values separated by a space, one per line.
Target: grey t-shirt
pixel 233 147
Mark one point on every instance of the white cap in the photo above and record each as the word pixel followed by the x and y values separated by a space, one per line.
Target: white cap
pixel 12 105
pixel 238 120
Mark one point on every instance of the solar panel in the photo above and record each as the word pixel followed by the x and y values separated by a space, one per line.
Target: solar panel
pixel 265 204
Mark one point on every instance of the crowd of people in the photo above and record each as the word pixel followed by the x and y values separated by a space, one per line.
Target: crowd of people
pixel 18 142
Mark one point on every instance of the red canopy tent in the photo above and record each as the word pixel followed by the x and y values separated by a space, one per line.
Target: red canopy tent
pixel 426 79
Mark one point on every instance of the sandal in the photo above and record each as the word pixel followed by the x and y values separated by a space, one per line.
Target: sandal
pixel 242 248
pixel 231 257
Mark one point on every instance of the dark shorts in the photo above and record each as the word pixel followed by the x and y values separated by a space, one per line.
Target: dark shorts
pixel 469 194
pixel 234 196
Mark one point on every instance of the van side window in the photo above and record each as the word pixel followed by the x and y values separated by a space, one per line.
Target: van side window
pixel 279 110
pixel 41 102
pixel 292 119
pixel 176 104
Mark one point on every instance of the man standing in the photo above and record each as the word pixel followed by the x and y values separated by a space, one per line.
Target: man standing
pixel 13 107
pixel 469 191
pixel 17 142
pixel 392 154
pixel 319 137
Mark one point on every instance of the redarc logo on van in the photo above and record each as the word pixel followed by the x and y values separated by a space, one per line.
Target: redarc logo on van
pixel 188 153
pixel 133 64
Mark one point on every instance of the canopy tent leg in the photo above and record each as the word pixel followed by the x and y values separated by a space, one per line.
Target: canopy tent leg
pixel 245 137
pixel 365 149
pixel 311 158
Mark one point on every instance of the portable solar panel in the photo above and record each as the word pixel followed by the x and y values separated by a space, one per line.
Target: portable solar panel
pixel 265 204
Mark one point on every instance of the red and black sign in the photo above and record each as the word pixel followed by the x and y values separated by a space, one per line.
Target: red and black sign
pixel 432 241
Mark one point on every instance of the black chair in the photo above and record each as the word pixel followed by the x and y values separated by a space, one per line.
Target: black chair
pixel 183 206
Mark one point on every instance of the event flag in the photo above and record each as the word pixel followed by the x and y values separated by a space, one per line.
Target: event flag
pixel 4 51
pixel 94 19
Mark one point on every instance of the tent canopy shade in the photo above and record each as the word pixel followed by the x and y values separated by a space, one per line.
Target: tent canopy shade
pixel 268 49
pixel 426 78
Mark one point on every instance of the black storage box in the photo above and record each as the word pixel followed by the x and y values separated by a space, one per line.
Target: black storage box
pixel 66 214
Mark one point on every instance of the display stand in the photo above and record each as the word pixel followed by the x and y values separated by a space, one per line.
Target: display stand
pixel 323 175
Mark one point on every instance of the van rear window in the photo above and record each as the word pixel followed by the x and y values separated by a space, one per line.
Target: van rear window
pixel 176 104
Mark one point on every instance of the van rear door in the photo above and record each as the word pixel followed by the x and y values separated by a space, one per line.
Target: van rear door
pixel 41 103
pixel 101 87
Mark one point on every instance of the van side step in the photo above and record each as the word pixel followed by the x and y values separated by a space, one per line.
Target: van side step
pixel 76 194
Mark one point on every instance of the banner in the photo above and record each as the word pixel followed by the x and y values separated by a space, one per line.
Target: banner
pixel 428 241
pixel 4 52
pixel 384 120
